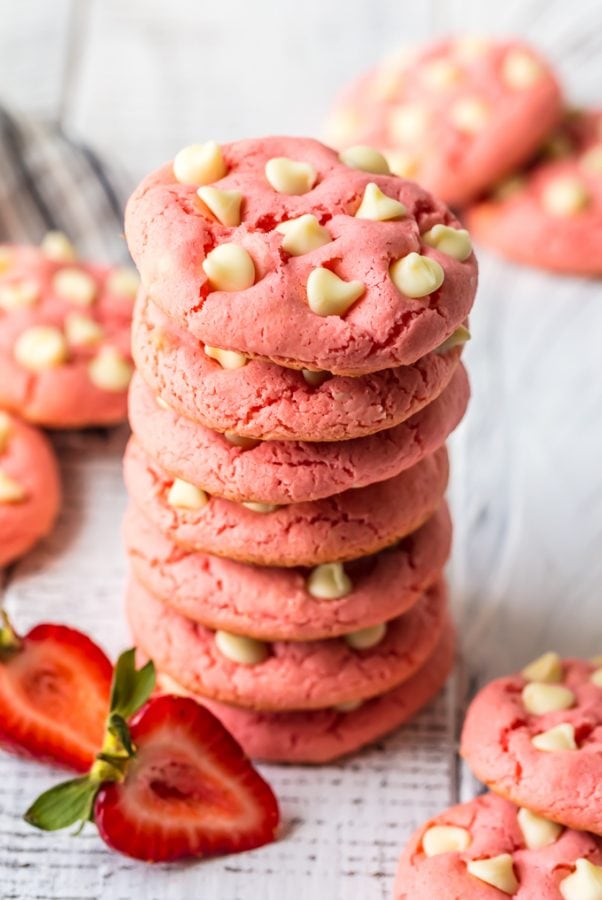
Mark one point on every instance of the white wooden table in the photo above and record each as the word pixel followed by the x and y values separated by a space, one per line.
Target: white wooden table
pixel 132 76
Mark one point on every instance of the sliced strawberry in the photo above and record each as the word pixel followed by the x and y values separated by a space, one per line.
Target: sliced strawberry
pixel 54 694
pixel 188 791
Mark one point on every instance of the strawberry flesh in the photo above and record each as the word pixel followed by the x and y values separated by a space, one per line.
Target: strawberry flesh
pixel 189 790
pixel 54 697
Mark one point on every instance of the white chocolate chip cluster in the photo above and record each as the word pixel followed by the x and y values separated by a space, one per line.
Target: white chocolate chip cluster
pixel 41 348
pixel 545 693
pixel 230 265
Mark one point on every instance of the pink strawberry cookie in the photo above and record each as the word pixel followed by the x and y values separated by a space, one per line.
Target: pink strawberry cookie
pixel 288 604
pixel 456 115
pixel 488 849
pixel 346 526
pixel 551 215
pixel 262 400
pixel 275 248
pixel 286 675
pixel 64 336
pixel 323 735
pixel 29 487
pixel 536 739
pixel 280 472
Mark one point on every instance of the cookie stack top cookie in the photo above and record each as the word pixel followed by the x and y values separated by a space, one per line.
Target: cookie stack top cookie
pixel 279 249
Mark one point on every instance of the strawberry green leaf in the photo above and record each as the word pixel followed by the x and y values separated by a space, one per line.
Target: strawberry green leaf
pixel 63 805
pixel 131 687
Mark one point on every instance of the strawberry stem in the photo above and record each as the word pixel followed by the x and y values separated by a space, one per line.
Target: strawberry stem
pixel 10 642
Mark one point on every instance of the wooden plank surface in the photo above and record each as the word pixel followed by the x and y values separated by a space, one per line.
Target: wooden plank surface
pixel 527 476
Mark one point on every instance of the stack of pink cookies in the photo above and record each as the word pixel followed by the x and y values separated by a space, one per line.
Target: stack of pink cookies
pixel 298 339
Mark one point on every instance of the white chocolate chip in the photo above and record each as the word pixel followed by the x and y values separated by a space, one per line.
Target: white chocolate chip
pixel 364 638
pixel 498 871
pixel 445 839
pixel 183 495
pixel 378 206
pixel 348 706
pixel 58 247
pixel 110 370
pixel 408 123
pixel 470 47
pixel 585 883
pixel 225 205
pixel 537 831
pixel 596 677
pixel 521 70
pixel 19 294
pixel 6 427
pixel 303 235
pixel 540 698
pixel 547 668
pixel 454 242
pixel 366 159
pixel 565 196
pixel 124 282
pixel 315 379
pixel 460 336
pixel 11 491
pixel 75 286
pixel 440 74
pixel 229 268
pixel 329 295
pixel 199 164
pixel 228 359
pixel 260 507
pixel 288 176
pixel 239 440
pixel 40 347
pixel 82 331
pixel 162 404
pixel 470 114
pixel 329 582
pixel 245 651
pixel 561 737
pixel 402 163
pixel 416 276
pixel 591 161
pixel 386 81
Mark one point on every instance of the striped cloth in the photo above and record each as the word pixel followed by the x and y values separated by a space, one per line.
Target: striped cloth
pixel 49 181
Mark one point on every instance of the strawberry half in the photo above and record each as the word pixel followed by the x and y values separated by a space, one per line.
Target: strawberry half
pixel 54 694
pixel 189 790
pixel 172 783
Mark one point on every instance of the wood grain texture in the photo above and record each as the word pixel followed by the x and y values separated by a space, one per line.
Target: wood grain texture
pixel 527 477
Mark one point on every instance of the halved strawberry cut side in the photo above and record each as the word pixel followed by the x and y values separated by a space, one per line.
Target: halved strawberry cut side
pixel 55 686
pixel 188 791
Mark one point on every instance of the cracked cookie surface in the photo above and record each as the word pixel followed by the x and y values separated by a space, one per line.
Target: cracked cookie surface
pixel 292 675
pixel 272 603
pixel 281 472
